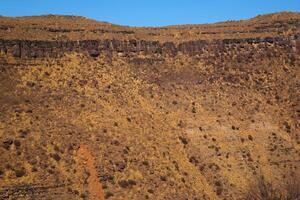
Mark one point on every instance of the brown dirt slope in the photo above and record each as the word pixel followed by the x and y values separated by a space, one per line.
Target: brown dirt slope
pixel 171 113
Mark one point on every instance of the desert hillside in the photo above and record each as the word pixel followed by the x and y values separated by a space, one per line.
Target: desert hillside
pixel 93 110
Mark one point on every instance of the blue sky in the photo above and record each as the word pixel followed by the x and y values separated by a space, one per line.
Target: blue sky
pixel 150 12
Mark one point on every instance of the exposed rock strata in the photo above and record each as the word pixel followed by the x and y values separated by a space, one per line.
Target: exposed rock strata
pixel 38 49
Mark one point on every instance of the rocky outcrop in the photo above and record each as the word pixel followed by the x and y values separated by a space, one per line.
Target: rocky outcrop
pixel 39 49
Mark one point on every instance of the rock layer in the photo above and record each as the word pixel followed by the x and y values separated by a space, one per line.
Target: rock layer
pixel 39 49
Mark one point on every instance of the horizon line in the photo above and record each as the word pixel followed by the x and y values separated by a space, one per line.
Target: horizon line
pixel 157 26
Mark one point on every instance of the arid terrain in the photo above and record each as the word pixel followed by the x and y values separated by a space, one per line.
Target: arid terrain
pixel 93 110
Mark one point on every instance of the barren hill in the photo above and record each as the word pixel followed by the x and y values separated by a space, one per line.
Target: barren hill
pixel 92 110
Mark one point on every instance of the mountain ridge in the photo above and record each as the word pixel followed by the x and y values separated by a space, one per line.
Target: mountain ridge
pixel 78 28
pixel 278 15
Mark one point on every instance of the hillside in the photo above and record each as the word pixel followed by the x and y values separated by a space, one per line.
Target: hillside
pixel 92 110
pixel 52 27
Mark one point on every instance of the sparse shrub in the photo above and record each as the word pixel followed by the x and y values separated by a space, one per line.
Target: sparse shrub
pixel 56 157
pixel 151 191
pixel 23 133
pixel 30 84
pixel 83 196
pixel 108 195
pixel 219 191
pixel 76 192
pixel 34 169
pixel 145 162
pixel 7 143
pixel 287 126
pixel 20 172
pixel 250 137
pixel 127 183
pixel 17 143
pixel 194 110
pixel 163 178
pixel 193 160
pixel 183 140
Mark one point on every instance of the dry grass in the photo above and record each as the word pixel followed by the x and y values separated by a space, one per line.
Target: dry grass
pixel 263 190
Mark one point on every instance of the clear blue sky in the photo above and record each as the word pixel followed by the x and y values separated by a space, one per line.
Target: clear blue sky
pixel 150 12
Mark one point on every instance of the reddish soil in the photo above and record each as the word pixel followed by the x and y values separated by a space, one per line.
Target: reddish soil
pixel 94 186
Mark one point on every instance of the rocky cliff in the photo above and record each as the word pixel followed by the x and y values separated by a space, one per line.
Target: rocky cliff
pixel 38 49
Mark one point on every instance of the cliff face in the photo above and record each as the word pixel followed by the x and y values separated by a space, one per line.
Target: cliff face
pixel 53 36
pixel 179 112
pixel 38 49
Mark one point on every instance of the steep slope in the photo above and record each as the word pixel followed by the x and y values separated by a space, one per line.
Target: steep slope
pixel 179 112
